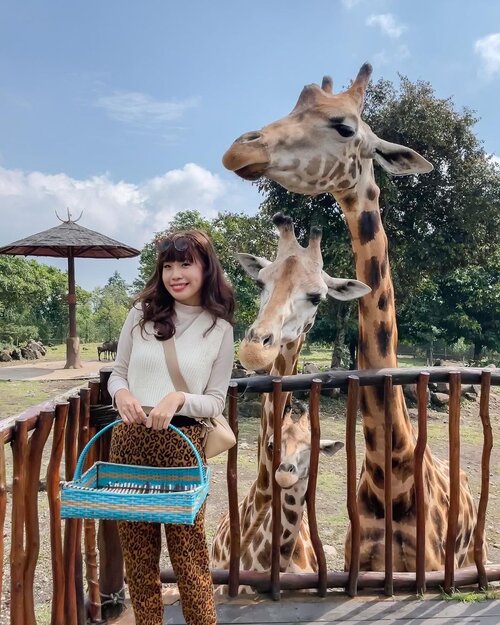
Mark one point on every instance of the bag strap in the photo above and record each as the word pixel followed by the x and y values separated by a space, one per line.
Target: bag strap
pixel 173 365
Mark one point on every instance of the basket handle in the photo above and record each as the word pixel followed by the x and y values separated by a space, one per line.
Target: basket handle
pixel 85 450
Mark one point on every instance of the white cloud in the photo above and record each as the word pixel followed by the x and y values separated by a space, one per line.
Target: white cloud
pixel 387 24
pixel 495 159
pixel 488 49
pixel 128 212
pixel 140 108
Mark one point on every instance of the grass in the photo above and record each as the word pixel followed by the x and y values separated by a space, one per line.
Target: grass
pixel 16 396
pixel 472 596
pixel 321 356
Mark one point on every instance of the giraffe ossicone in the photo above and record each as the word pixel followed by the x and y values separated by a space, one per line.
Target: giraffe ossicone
pixel 324 146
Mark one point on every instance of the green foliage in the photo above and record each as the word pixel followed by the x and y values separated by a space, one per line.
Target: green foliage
pixel 32 294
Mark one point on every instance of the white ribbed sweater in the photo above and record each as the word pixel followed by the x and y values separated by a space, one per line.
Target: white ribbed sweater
pixel 205 361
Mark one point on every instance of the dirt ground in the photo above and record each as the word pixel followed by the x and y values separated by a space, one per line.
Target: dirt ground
pixel 331 495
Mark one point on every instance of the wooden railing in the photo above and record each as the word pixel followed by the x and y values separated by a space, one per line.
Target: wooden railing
pixel 69 425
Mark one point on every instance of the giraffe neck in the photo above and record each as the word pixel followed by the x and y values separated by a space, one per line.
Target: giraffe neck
pixel 258 501
pixel 377 317
pixel 285 364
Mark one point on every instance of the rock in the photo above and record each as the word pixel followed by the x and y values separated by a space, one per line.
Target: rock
pixel 330 550
pixel 440 399
pixel 442 387
pixel 469 388
pixel 469 396
pixel 5 356
pixel 15 354
pixel 310 367
pixel 410 391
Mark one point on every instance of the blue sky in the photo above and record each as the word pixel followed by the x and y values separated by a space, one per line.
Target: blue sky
pixel 123 109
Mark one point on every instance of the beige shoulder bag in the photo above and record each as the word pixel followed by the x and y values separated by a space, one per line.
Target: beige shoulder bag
pixel 220 437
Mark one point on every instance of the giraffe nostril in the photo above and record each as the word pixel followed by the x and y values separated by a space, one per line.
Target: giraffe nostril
pixel 267 340
pixel 249 136
pixel 288 468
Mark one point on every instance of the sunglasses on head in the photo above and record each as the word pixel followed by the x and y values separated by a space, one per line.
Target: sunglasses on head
pixel 181 244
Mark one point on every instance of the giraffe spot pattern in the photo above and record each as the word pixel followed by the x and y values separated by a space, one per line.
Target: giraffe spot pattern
pixel 384 333
pixel 368 226
pixel 372 273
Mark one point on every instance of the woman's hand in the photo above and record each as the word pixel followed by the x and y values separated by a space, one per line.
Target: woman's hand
pixel 162 414
pixel 129 408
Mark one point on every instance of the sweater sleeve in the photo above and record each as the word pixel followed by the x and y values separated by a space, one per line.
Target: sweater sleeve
pixel 212 402
pixel 119 377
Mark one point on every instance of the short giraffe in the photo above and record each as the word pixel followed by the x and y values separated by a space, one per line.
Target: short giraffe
pixel 292 287
pixel 323 145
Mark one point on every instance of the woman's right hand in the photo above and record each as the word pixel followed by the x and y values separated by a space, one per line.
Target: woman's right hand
pixel 129 408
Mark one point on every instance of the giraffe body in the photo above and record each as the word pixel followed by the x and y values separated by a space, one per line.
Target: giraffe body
pixel 323 145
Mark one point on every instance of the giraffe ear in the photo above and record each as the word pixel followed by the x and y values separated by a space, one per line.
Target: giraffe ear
pixel 330 448
pixel 345 290
pixel 398 159
pixel 252 264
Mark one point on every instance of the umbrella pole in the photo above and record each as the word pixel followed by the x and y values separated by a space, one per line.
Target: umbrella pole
pixel 72 342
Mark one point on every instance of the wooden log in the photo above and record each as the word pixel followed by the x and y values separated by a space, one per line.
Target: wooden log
pixel 90 537
pixel 95 392
pixel 336 579
pixel 17 550
pixel 314 398
pixel 423 382
pixel 83 438
pixel 388 402
pixel 54 497
pixel 352 501
pixel 454 458
pixel 36 446
pixel 111 568
pixel 276 491
pixel 484 413
pixel 71 525
pixel 367 377
pixel 3 510
pixel 232 493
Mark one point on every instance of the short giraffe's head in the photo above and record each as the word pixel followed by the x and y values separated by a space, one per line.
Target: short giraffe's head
pixel 292 287
pixel 296 448
pixel 323 145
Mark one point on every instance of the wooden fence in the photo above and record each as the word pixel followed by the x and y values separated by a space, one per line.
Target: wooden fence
pixel 90 585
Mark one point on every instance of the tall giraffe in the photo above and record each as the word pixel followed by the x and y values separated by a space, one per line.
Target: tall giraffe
pixel 292 287
pixel 322 146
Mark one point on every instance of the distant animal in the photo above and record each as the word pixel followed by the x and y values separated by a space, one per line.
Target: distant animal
pixel 107 349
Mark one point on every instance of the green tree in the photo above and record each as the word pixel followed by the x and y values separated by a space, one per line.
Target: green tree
pixel 111 305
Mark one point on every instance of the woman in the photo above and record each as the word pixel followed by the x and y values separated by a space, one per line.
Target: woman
pixel 187 297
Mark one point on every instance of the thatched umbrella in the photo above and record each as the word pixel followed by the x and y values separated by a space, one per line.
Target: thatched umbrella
pixel 70 240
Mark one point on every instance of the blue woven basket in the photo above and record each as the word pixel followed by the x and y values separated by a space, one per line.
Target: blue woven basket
pixel 125 492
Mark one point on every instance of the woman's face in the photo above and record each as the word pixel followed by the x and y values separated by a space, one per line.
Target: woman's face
pixel 184 280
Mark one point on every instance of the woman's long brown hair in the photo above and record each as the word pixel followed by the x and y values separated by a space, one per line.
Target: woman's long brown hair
pixel 217 295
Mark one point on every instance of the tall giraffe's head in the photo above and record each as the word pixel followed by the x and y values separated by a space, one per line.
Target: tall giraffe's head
pixel 296 448
pixel 323 145
pixel 292 286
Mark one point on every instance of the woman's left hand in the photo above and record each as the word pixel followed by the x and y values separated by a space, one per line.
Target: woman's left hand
pixel 161 415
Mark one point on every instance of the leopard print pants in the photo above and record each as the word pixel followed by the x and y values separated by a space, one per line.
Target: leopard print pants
pixel 141 542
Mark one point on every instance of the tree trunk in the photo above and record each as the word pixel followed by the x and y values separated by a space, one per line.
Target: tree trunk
pixel 478 348
pixel 338 346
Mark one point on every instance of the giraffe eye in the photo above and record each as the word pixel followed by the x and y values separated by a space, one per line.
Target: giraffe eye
pixel 259 284
pixel 314 298
pixel 343 129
